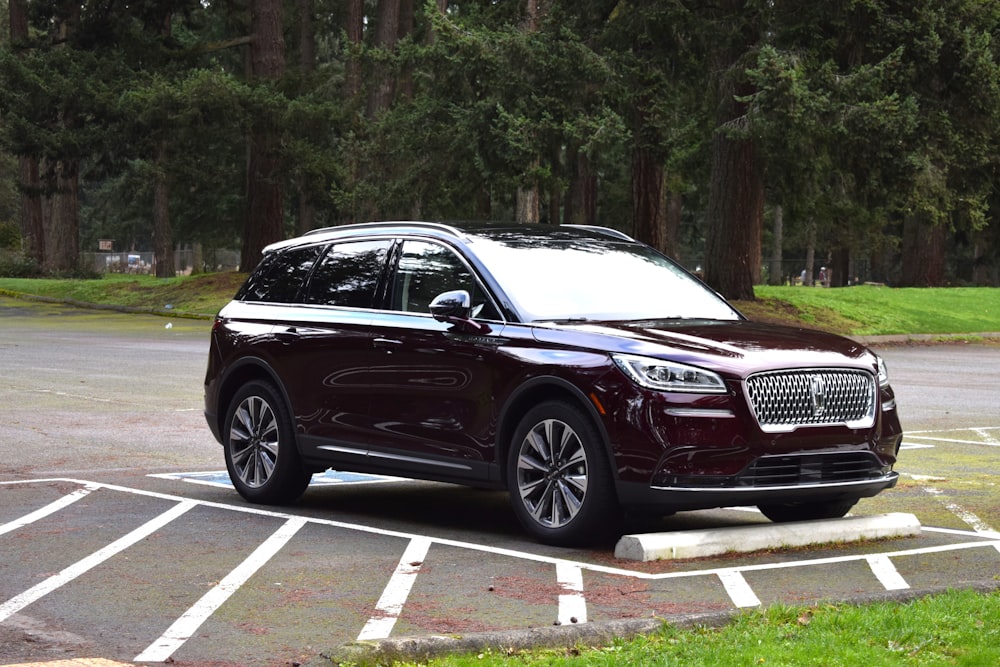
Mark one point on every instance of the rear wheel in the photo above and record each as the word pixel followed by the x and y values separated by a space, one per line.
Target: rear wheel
pixel 560 484
pixel 784 512
pixel 263 462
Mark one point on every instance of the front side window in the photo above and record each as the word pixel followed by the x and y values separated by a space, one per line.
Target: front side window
pixel 280 276
pixel 348 274
pixel 426 270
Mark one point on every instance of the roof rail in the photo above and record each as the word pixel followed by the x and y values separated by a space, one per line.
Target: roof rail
pixel 389 223
pixel 607 231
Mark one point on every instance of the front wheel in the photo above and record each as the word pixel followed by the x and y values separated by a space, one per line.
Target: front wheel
pixel 560 484
pixel 785 512
pixel 263 462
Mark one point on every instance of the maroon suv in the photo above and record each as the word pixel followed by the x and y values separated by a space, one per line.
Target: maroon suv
pixel 581 370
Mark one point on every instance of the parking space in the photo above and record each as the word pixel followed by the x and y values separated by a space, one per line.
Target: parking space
pixel 183 579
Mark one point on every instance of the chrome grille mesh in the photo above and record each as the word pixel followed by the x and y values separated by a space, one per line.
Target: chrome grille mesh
pixel 784 400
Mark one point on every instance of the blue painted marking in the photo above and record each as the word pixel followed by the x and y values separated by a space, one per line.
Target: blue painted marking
pixel 327 478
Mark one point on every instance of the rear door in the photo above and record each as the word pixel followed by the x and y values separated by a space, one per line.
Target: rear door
pixel 328 349
pixel 433 409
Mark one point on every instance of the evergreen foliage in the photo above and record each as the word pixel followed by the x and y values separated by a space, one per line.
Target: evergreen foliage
pixel 873 124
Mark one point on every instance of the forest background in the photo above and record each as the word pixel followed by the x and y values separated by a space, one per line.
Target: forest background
pixel 754 140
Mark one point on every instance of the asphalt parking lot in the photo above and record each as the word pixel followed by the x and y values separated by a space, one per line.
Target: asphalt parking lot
pixel 119 539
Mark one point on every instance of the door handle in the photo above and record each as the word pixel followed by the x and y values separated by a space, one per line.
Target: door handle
pixel 387 343
pixel 286 333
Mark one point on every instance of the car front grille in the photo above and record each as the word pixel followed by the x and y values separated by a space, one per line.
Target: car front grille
pixel 785 400
pixel 788 470
pixel 811 469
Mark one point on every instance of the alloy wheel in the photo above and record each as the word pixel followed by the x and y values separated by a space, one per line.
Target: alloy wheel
pixel 552 473
pixel 254 441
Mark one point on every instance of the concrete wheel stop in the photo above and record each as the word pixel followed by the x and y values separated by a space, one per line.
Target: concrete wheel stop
pixel 744 539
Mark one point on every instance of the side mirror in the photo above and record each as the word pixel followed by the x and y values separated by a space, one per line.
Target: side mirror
pixel 455 307
pixel 449 305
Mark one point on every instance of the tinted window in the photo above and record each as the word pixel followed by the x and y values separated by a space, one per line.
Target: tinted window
pixel 348 274
pixel 279 277
pixel 428 269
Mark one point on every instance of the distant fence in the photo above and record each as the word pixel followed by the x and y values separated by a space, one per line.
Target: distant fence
pixel 145 263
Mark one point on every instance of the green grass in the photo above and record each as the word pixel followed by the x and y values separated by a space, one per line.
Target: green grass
pixel 884 310
pixel 202 294
pixel 954 628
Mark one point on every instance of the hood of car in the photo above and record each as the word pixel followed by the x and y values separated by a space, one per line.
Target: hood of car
pixel 732 347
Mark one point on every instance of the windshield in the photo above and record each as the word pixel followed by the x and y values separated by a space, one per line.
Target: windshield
pixel 552 279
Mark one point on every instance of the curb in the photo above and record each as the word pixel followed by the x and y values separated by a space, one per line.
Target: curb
pixel 925 339
pixel 681 544
pixel 420 648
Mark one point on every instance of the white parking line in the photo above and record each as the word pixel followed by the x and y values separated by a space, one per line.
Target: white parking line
pixel 19 602
pixel 956 441
pixel 983 432
pixel 572 603
pixel 51 508
pixel 390 605
pixel 738 589
pixel 988 437
pixel 886 572
pixel 189 622
pixel 971 519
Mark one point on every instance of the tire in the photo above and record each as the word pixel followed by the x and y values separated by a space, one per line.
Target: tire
pixel 259 441
pixel 562 495
pixel 783 513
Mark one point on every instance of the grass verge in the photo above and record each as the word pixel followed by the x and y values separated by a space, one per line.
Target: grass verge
pixel 953 628
pixel 871 310
pixel 202 294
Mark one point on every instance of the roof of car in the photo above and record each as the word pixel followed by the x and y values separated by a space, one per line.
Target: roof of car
pixel 462 231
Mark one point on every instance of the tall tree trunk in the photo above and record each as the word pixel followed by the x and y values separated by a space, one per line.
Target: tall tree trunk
pixel 355 36
pixel 265 191
pixel 32 232
pixel 306 219
pixel 163 237
pixel 648 199
pixel 839 272
pixel 61 225
pixel 581 195
pixel 980 259
pixel 735 212
pixel 735 217
pixel 386 35
pixel 923 253
pixel 29 182
pixel 775 273
pixel 810 253
pixel 197 258
pixel 675 207
pixel 406 23
pixel 62 233
pixel 527 204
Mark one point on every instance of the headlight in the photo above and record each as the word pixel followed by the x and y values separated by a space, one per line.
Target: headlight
pixel 669 375
pixel 883 373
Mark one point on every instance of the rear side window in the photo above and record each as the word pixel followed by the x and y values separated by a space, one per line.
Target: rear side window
pixel 348 274
pixel 280 276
